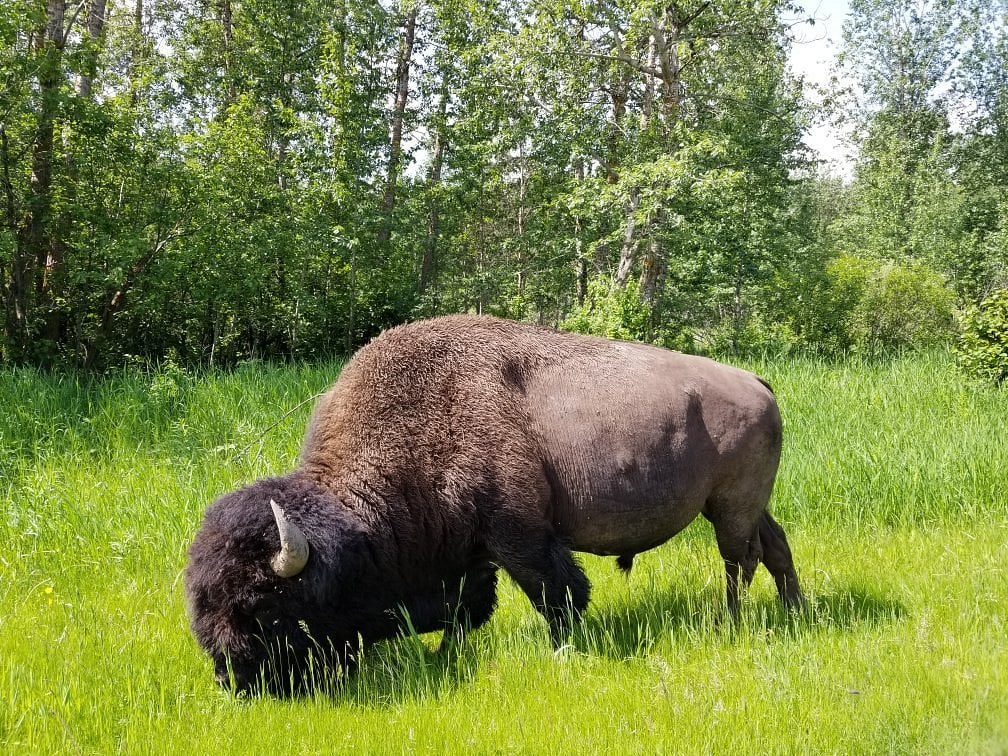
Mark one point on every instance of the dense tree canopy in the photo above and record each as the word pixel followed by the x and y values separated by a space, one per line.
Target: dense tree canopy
pixel 222 180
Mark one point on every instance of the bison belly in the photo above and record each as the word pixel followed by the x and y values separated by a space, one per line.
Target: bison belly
pixel 635 452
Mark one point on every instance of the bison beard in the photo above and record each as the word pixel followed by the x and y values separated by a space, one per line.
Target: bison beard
pixel 452 447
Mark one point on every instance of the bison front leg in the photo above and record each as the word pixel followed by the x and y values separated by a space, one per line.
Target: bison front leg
pixel 545 570
pixel 477 598
pixel 458 606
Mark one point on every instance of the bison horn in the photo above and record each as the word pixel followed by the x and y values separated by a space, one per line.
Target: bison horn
pixel 293 554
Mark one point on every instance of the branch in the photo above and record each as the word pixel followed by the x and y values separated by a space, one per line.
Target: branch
pixel 693 17
pixel 662 50
pixel 723 33
pixel 138 268
pixel 635 64
pixel 73 19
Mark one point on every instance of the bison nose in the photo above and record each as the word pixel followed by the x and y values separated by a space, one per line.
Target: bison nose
pixel 234 683
pixel 232 679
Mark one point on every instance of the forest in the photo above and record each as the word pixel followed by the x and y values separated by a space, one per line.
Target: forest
pixel 214 181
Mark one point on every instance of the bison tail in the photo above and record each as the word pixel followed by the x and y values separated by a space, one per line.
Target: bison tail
pixel 766 383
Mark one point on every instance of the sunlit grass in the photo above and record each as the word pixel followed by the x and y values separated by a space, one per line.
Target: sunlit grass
pixel 894 493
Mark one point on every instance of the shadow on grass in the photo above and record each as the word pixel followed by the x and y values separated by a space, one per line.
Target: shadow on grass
pixel 684 617
pixel 407 669
pixel 404 669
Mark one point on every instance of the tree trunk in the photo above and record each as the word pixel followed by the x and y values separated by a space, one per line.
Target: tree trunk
pixel 14 277
pixel 662 59
pixel 652 266
pixel 647 101
pixel 737 310
pixel 652 273
pixel 10 205
pixel 666 51
pixel 95 31
pixel 58 316
pixel 227 34
pixel 395 135
pixel 522 215
pixel 628 253
pixel 580 260
pixel 38 256
pixel 618 93
pixel 428 264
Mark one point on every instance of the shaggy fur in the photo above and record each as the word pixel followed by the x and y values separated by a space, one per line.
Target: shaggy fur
pixel 452 447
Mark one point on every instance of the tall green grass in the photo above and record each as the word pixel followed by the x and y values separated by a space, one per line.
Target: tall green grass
pixel 893 489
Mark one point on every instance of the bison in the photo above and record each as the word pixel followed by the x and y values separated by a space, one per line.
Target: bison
pixel 453 447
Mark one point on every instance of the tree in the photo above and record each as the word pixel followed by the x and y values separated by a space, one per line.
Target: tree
pixel 980 100
pixel 227 179
pixel 907 204
pixel 705 115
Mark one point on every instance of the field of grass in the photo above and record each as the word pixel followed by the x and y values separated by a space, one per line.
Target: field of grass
pixel 893 491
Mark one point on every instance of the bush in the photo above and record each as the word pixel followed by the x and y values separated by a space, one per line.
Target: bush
pixel 618 313
pixel 622 313
pixel 874 307
pixel 758 335
pixel 983 338
pixel 903 306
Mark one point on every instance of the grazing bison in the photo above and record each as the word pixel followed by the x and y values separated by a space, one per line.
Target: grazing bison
pixel 452 447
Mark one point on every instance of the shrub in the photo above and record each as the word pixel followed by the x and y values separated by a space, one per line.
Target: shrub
pixel 618 313
pixel 903 306
pixel 983 338
pixel 622 313
pixel 874 307
pixel 758 335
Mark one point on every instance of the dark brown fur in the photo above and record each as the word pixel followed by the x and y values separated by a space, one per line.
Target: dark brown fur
pixel 454 446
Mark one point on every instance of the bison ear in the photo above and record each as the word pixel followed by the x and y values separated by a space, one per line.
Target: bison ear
pixel 293 554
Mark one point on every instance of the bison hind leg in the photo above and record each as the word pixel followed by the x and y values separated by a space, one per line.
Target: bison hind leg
pixel 743 547
pixel 778 560
pixel 625 563
pixel 739 543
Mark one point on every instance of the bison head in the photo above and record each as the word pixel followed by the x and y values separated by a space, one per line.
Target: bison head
pixel 270 585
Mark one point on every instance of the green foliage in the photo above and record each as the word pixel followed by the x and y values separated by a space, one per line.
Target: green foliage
pixel 902 306
pixel 170 385
pixel 982 347
pixel 876 307
pixel 755 335
pixel 610 311
pixel 621 313
pixel 923 191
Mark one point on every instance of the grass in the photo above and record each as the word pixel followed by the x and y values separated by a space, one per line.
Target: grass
pixel 894 492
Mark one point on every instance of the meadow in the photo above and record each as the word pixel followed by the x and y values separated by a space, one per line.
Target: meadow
pixel 893 491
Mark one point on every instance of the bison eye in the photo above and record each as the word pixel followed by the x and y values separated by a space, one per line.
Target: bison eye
pixel 268 616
